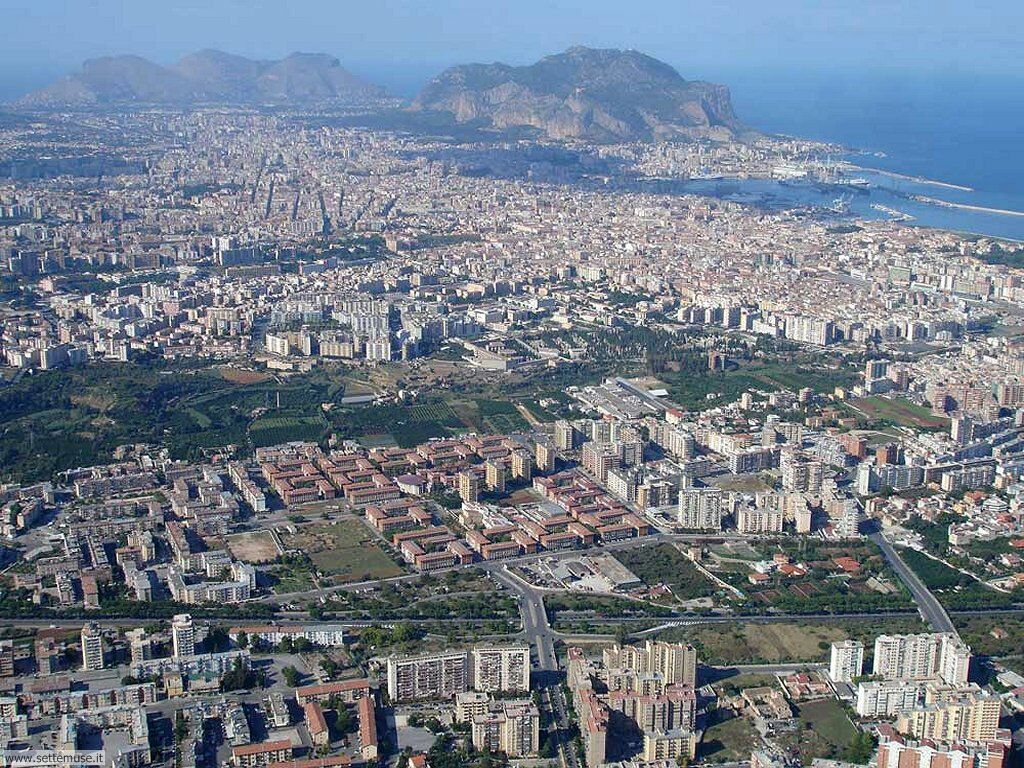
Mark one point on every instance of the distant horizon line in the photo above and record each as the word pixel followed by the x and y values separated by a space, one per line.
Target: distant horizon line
pixel 405 79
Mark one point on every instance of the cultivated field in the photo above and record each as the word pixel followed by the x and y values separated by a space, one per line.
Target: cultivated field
pixel 242 376
pixel 900 411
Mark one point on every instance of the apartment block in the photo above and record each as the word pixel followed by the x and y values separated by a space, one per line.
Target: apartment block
pixel 700 509
pixel 886 698
pixel 922 657
pixel 501 668
pixel 92 648
pixel 511 726
pixel 431 676
pixel 846 661
pixel 969 715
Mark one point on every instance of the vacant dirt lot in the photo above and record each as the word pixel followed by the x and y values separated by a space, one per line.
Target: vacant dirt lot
pixel 253 546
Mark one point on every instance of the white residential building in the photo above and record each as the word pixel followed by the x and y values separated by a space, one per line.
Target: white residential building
pixel 501 668
pixel 183 636
pixel 847 661
pixel 886 698
pixel 926 656
pixel 700 509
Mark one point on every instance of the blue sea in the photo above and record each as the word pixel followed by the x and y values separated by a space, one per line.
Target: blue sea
pixel 951 127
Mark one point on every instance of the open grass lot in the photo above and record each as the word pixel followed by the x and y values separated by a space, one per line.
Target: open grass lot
pixel 992 635
pixel 736 551
pixel 825 732
pixel 55 420
pixel 77 416
pixel 783 642
pixel 539 412
pixel 355 387
pixel 356 563
pixel 706 390
pixel 344 550
pixel 381 440
pixel 934 574
pixel 748 643
pixel 900 411
pixel 728 741
pixel 740 483
pixel 291 578
pixel 504 423
pixel 822 377
pixel 252 546
pixel 731 685
pixel 522 496
pixel 408 426
pixel 411 425
pixel 458 594
pixel 499 416
pixel 696 387
pixel 998 636
pixel 602 606
pixel 828 719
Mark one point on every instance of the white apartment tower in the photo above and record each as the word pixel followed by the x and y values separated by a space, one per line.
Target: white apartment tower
pixel 940 656
pixel 700 509
pixel 92 647
pixel 501 668
pixel 431 676
pixel 847 661
pixel 183 636
pixel 676 662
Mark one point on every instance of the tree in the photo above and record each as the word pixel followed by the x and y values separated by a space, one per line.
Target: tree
pixel 403 632
pixel 240 678
pixel 371 636
pixel 180 727
pixel 621 634
pixel 345 723
pixel 242 640
pixel 329 666
pixel 547 747
pixel 216 639
pixel 291 676
pixel 860 749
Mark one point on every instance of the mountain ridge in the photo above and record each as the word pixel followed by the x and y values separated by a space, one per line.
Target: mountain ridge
pixel 206 75
pixel 602 95
pixel 584 93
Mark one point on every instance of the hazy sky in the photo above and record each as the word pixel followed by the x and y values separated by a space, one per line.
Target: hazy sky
pixel 401 43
